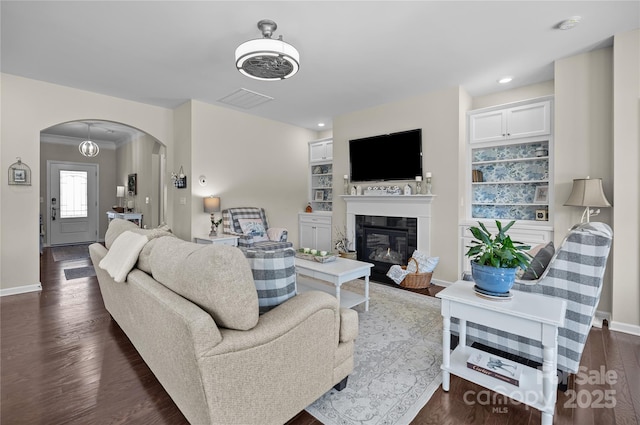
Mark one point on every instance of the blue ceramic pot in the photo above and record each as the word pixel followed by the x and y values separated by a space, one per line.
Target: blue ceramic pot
pixel 493 279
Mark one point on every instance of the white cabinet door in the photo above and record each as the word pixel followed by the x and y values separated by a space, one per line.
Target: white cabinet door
pixel 512 123
pixel 306 234
pixel 321 151
pixel 315 231
pixel 323 237
pixel 529 120
pixel 487 127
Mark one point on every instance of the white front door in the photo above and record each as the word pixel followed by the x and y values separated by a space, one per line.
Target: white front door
pixel 73 203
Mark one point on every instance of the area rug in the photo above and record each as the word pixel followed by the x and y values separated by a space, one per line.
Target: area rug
pixel 70 252
pixel 397 358
pixel 79 272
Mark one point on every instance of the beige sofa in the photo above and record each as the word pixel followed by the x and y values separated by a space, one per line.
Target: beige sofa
pixel 191 311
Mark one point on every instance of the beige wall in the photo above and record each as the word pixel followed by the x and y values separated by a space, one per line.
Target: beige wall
pixel 626 158
pixel 248 161
pixel 140 156
pixel 106 161
pixel 584 138
pixel 514 95
pixel 438 114
pixel 27 107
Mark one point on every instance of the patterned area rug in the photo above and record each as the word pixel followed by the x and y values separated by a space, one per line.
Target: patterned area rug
pixel 398 354
pixel 79 272
pixel 70 252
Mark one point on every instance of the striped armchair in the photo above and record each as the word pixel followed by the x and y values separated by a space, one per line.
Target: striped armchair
pixel 269 238
pixel 575 274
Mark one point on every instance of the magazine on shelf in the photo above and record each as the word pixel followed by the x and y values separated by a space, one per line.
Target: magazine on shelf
pixel 495 366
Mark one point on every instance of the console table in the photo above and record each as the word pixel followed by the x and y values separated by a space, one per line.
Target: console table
pixel 131 216
pixel 220 240
pixel 531 315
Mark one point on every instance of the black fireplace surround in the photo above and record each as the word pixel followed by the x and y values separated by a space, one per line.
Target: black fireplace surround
pixel 385 241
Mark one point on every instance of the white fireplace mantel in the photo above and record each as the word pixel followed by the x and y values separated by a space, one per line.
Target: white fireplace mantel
pixel 413 206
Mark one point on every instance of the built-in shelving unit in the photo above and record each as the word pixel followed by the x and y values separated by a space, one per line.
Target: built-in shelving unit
pixel 510 172
pixel 321 167
pixel 510 181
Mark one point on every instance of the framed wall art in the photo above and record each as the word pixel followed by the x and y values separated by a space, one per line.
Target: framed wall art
pixel 132 184
pixel 19 173
pixel 542 195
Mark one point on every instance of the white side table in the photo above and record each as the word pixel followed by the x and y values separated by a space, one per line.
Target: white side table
pixel 531 315
pixel 220 239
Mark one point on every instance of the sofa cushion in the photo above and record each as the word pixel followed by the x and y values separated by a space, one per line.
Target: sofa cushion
pixel 539 262
pixel 117 226
pixel 123 255
pixel 274 275
pixel 215 277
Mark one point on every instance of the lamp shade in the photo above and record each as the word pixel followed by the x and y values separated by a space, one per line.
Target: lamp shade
pixel 587 193
pixel 211 204
pixel 119 191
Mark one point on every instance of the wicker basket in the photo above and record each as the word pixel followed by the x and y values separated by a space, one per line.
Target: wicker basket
pixel 416 280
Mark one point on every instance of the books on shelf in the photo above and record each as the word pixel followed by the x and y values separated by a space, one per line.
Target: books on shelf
pixel 495 366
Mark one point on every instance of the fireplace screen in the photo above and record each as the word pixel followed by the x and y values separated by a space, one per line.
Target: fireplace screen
pixel 385 241
pixel 385 245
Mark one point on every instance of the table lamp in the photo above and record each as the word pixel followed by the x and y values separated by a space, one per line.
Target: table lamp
pixel 212 205
pixel 120 194
pixel 587 193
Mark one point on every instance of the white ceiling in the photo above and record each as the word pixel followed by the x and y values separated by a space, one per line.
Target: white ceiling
pixel 354 55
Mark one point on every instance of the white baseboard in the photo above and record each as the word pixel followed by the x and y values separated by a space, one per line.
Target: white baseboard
pixel 624 327
pixel 441 282
pixel 20 290
pixel 600 317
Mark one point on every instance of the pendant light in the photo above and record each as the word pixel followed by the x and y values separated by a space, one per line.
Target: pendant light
pixel 266 58
pixel 89 148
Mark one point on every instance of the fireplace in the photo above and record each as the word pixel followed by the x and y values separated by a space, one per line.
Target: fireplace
pixel 385 241
pixel 410 214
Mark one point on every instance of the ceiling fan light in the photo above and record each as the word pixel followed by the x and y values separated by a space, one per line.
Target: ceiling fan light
pixel 267 59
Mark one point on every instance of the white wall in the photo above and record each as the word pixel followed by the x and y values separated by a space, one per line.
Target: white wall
pixel 438 114
pixel 139 156
pixel 27 107
pixel 626 211
pixel 514 95
pixel 584 139
pixel 248 161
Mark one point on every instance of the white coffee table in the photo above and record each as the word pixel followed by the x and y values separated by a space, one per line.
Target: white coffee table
pixel 531 315
pixel 335 272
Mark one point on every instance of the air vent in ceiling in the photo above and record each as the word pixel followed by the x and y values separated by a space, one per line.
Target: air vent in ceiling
pixel 246 99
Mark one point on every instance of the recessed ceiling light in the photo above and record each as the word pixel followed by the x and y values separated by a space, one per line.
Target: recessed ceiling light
pixel 320 124
pixel 569 23
pixel 505 80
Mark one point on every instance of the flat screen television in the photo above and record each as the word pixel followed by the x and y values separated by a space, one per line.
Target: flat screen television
pixel 395 156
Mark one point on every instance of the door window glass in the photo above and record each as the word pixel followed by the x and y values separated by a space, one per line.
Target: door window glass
pixel 73 194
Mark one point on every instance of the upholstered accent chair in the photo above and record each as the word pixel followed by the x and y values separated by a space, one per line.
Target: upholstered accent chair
pixel 575 273
pixel 252 228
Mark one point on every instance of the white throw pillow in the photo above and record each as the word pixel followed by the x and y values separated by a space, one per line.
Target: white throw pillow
pixel 426 264
pixel 123 255
pixel 254 228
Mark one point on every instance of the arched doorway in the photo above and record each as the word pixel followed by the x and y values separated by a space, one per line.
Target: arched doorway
pixel 124 150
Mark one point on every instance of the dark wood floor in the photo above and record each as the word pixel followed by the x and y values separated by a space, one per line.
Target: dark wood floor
pixel 64 361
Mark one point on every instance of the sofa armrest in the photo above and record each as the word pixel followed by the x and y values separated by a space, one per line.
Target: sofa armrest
pixel 278 321
pixel 348 325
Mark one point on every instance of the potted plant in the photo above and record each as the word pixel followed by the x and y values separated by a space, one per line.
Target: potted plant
pixel 344 245
pixel 495 259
